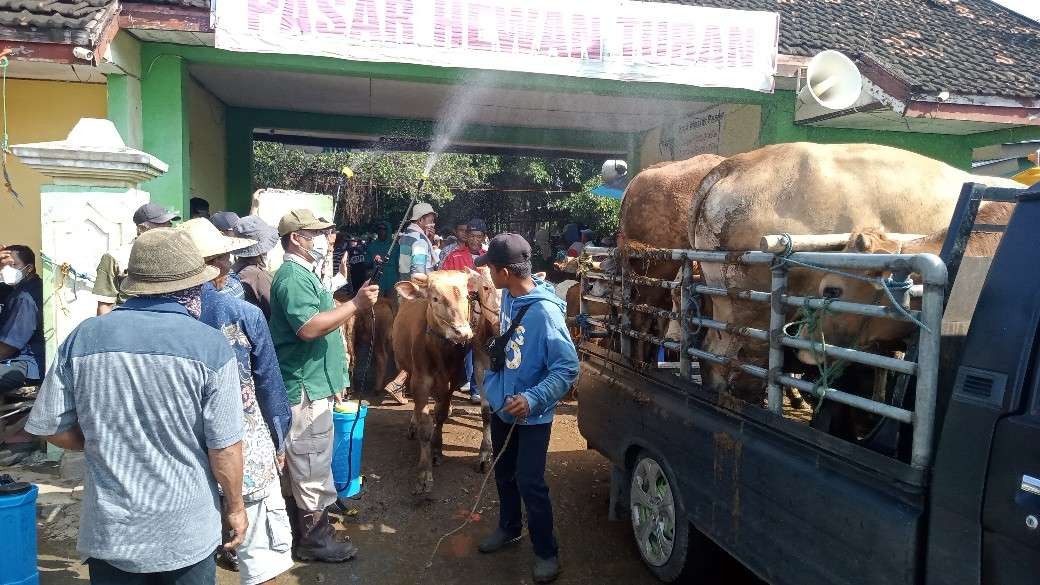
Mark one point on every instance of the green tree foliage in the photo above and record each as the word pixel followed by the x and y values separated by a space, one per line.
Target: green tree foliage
pixel 601 214
pixel 511 192
pixel 279 167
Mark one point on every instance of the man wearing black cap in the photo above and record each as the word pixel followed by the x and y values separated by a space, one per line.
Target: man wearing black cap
pixel 540 364
pixel 109 271
pixel 225 221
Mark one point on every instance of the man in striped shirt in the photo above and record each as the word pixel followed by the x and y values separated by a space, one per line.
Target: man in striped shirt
pixel 153 398
pixel 417 256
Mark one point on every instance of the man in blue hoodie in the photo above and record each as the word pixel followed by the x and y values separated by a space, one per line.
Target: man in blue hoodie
pixel 539 367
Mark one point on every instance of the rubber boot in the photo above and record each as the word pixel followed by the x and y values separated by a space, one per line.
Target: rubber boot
pixel 317 542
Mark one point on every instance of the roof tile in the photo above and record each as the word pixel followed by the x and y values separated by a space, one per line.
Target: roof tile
pixel 972 47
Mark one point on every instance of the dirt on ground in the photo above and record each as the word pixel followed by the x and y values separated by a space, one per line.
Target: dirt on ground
pixel 396 532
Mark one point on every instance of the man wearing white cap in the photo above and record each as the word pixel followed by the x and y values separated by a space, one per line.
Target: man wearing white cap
pixel 417 253
pixel 266 551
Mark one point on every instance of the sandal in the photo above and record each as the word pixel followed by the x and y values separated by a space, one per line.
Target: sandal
pixel 396 392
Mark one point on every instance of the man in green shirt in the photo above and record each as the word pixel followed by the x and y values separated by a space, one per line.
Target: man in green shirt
pixel 305 323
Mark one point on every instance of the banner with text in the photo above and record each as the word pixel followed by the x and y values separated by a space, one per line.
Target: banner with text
pixel 605 39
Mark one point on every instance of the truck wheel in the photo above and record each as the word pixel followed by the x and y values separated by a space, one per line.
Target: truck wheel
pixel 659 522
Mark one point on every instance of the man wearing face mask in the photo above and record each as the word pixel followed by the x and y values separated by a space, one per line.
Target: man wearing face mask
pixel 21 321
pixel 305 325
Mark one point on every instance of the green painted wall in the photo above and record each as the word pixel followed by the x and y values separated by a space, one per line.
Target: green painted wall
pixel 778 126
pixel 164 101
pixel 119 104
pixel 239 142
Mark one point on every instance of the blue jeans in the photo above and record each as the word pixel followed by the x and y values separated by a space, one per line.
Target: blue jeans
pixel 470 377
pixel 520 476
pixel 203 572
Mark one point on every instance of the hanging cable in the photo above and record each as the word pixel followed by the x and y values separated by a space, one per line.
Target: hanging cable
pixel 5 139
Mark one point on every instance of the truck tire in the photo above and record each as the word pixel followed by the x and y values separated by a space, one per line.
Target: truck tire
pixel 659 523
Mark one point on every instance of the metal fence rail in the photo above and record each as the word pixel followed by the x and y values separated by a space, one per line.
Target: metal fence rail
pixel 930 268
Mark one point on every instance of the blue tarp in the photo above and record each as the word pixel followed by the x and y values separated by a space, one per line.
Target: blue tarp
pixel 605 190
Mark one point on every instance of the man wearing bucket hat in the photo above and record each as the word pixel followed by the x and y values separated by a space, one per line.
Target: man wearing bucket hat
pixel 251 263
pixel 417 254
pixel 153 398
pixel 305 325
pixel 266 551
pixel 109 270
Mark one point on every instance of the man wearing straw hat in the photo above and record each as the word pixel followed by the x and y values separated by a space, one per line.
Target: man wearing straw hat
pixel 305 324
pixel 251 263
pixel 153 398
pixel 266 551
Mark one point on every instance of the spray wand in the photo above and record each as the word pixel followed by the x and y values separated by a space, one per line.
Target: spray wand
pixel 377 273
pixel 344 174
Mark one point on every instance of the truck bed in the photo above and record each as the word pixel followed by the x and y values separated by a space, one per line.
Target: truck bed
pixel 795 505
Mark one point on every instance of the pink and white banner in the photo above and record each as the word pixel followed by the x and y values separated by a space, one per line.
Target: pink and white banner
pixel 605 39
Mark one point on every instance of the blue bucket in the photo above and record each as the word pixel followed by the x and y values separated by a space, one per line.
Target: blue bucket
pixel 346 453
pixel 18 530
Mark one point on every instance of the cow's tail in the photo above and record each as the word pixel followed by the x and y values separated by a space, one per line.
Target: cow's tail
pixel 700 194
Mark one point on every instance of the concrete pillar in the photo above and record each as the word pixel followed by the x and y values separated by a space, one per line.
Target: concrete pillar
pixel 164 115
pixel 122 67
pixel 86 211
pixel 239 160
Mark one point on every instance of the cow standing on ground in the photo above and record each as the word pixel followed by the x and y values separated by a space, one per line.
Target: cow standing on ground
pixel 487 302
pixel 369 332
pixel 431 336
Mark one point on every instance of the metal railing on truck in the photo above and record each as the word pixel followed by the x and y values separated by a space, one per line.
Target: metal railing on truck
pixel 927 320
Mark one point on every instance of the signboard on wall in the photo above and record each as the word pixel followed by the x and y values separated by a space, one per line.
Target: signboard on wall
pixel 691 135
pixel 604 39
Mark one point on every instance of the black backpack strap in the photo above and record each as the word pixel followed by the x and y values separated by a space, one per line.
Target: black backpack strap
pixel 516 322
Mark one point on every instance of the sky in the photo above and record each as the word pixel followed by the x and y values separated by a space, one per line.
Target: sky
pixel 1030 8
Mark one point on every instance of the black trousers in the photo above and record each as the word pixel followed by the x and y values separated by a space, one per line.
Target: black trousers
pixel 202 573
pixel 12 376
pixel 520 476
